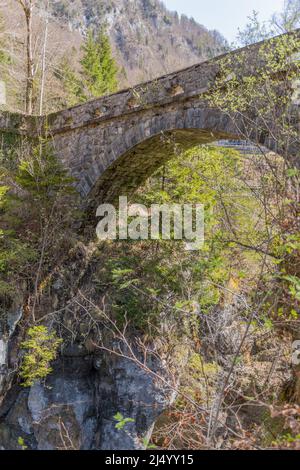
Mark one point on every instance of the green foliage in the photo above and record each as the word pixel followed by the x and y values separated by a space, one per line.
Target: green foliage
pixel 257 95
pixel 21 443
pixel 260 84
pixel 7 291
pixel 285 21
pixel 40 348
pixel 71 82
pixel 35 192
pixel 41 175
pixel 254 31
pixel 121 421
pixel 289 18
pixel 286 441
pixel 294 286
pixel 99 69
pixel 14 253
pixel 148 280
pixel 147 444
pixel 97 75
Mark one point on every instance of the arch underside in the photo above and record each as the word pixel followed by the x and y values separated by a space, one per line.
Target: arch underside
pixel 130 170
pixel 150 139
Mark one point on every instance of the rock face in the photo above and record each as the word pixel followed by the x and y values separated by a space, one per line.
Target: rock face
pixel 8 324
pixel 75 407
pixel 148 40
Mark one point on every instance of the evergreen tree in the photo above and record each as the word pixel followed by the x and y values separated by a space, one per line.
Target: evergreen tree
pixel 71 81
pixel 99 67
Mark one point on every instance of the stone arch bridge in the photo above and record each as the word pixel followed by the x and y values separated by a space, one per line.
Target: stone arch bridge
pixel 112 144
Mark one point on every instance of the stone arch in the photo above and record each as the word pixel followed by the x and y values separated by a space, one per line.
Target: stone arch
pixel 134 155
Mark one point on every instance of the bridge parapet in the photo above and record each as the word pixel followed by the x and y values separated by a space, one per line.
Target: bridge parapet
pixel 178 86
pixel 115 142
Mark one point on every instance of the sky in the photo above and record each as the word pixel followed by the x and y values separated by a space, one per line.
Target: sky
pixel 225 15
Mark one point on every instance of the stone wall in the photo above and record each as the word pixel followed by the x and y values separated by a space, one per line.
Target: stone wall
pixel 112 144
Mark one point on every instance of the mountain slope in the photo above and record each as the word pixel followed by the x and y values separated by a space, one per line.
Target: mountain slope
pixel 148 40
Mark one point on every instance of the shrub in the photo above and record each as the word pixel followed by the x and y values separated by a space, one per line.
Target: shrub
pixel 41 348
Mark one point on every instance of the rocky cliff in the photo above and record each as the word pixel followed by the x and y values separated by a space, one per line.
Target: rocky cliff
pixel 75 407
pixel 148 39
pixel 100 374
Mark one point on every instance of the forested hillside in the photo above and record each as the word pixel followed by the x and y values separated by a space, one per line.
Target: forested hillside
pixel 147 41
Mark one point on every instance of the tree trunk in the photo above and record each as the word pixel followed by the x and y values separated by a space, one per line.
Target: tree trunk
pixel 30 64
pixel 44 62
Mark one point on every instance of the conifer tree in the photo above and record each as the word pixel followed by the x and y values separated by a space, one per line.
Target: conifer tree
pixel 71 81
pixel 99 67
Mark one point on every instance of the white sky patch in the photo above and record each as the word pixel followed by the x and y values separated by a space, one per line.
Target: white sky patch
pixel 225 15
